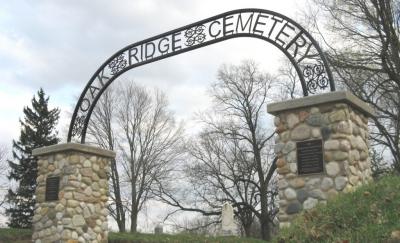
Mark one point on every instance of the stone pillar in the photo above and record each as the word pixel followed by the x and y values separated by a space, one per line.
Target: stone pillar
pixel 338 121
pixel 71 194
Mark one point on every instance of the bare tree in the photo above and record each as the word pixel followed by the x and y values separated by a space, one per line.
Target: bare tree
pixel 363 42
pixel 230 160
pixel 101 131
pixel 288 82
pixel 148 142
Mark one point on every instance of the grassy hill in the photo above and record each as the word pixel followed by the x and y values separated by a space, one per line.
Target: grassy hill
pixel 370 214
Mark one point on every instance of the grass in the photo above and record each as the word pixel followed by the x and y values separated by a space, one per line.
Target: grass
pixel 24 236
pixel 370 214
pixel 15 235
pixel 179 238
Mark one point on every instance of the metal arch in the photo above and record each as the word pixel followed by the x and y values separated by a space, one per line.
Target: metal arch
pixel 284 33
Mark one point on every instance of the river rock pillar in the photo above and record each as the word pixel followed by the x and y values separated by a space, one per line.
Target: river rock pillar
pixel 71 194
pixel 322 148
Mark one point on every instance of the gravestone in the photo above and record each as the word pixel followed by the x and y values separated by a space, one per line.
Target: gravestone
pixel 228 225
pixel 71 194
pixel 322 149
pixel 158 229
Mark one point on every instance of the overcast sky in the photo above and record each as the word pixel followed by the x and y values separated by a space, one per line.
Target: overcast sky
pixel 59 44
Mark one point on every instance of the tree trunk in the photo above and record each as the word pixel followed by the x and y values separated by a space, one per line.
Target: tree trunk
pixel 134 215
pixel 120 214
pixel 247 230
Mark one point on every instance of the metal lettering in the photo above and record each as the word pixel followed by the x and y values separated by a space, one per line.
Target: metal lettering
pixel 130 55
pixel 258 22
pixel 281 32
pixel 102 77
pixel 225 25
pixel 209 29
pixel 85 103
pixel 165 45
pixel 93 90
pixel 175 41
pixel 248 22
pixel 149 54
pixel 273 25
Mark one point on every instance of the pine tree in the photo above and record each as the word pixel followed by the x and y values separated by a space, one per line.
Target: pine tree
pixel 37 130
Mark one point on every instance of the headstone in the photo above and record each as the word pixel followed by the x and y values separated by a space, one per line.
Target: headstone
pixel 229 226
pixel 158 229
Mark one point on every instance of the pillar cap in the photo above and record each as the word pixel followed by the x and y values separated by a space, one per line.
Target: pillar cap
pixel 63 147
pixel 331 97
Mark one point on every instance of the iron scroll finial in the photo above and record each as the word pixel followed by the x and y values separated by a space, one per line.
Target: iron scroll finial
pixel 282 32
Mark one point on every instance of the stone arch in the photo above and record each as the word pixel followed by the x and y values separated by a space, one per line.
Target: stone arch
pixel 284 33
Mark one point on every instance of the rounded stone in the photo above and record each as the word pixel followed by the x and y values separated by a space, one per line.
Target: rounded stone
pixel 278 147
pixel 293 208
pixel 87 163
pixel 292 120
pixel 290 194
pixel 315 119
pixel 332 193
pixel 59 207
pixel 310 203
pixel 344 127
pixel 340 182
pixel 331 145
pixel 340 155
pixel 314 110
pixel 96 167
pixel 301 132
pixel 277 120
pixel 332 168
pixel 293 167
pixel 313 182
pixel 74 235
pixel 289 146
pixel 284 137
pixel 78 220
pixel 353 180
pixel 316 132
pixel 72 203
pixel 326 183
pixel 338 115
pixel 282 183
pixel 317 193
pixel 345 145
pixel 297 182
pixel 291 157
pixel 302 195
pixel 354 156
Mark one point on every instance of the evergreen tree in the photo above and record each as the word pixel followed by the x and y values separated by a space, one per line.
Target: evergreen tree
pixel 37 130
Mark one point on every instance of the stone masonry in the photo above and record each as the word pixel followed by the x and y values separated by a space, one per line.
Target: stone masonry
pixel 341 121
pixel 79 213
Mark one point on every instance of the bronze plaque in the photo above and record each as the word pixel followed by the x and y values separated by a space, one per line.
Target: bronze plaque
pixel 52 188
pixel 310 158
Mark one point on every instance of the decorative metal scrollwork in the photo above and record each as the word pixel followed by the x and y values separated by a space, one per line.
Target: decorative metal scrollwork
pixel 78 126
pixel 315 77
pixel 195 35
pixel 117 64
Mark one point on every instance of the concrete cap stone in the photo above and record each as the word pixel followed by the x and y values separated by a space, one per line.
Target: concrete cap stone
pixel 331 97
pixel 64 147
